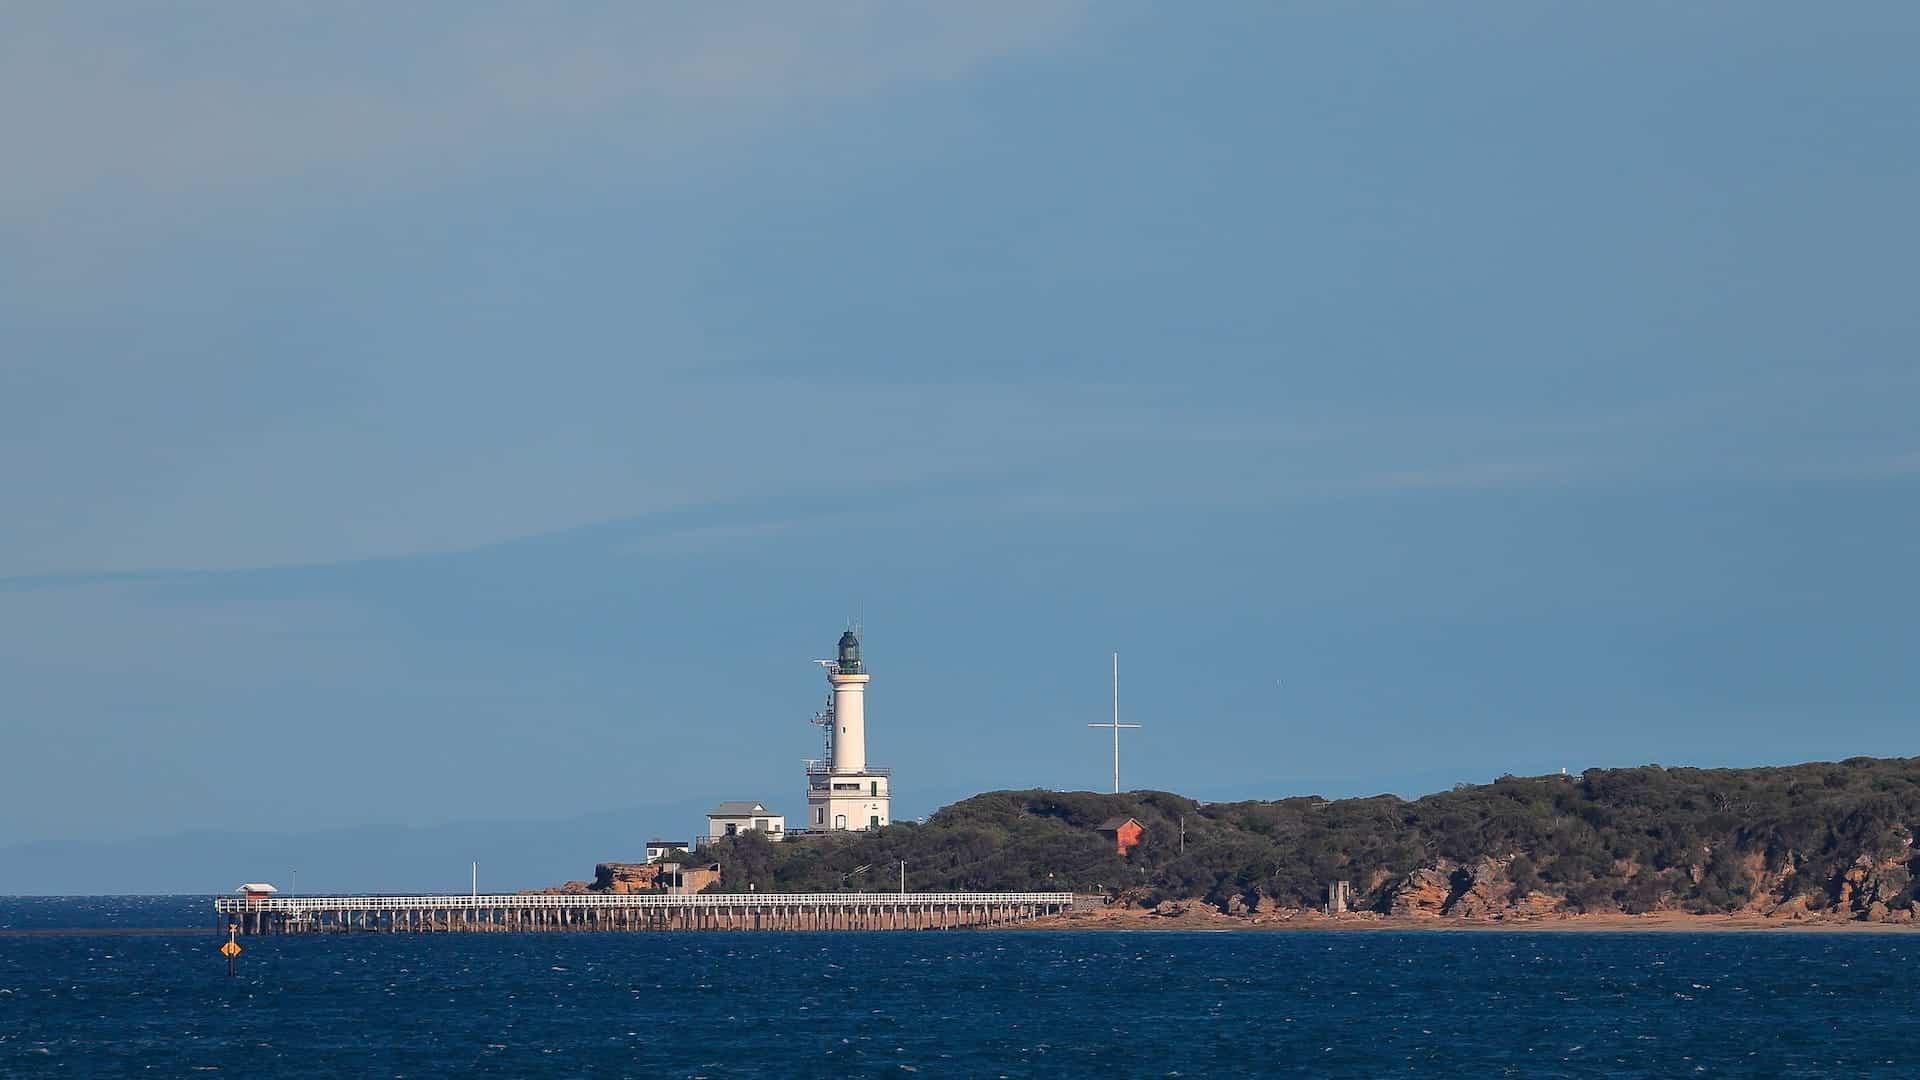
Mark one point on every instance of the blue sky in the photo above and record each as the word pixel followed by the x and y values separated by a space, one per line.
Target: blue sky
pixel 466 413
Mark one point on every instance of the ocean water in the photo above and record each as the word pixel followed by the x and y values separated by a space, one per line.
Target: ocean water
pixel 959 1004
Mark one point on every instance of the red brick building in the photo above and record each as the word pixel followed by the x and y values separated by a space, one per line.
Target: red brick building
pixel 1125 831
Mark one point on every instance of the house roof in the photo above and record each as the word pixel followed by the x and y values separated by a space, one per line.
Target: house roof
pixel 256 887
pixel 667 843
pixel 1111 824
pixel 737 808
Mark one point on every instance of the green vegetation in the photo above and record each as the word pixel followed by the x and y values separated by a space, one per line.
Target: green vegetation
pixel 1643 839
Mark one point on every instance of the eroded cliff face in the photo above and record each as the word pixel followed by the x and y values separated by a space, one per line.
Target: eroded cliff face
pixel 1478 890
pixel 623 878
pixel 1423 893
pixel 1874 887
pixel 1871 886
pixel 610 877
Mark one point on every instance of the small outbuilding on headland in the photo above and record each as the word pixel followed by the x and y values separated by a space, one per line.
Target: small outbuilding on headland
pixel 656 849
pixel 1125 831
pixel 681 879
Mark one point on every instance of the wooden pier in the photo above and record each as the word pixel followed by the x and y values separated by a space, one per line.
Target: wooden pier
pixel 633 912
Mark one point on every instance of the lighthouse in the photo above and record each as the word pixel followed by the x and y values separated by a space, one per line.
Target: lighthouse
pixel 843 791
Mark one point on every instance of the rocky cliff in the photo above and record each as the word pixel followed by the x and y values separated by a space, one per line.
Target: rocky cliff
pixel 1873 890
pixel 612 877
pixel 622 878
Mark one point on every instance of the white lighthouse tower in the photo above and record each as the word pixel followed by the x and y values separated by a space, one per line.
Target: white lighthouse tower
pixel 843 791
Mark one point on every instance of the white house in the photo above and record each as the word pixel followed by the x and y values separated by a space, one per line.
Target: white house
pixel 734 817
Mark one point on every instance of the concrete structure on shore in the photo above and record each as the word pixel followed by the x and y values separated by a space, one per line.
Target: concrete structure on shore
pixel 680 879
pixel 844 792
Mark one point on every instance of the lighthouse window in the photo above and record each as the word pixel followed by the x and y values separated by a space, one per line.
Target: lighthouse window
pixel 876 787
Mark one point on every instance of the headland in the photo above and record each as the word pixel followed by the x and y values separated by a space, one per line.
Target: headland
pixel 1820 845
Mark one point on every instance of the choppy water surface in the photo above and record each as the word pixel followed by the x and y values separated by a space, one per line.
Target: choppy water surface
pixel 948 1004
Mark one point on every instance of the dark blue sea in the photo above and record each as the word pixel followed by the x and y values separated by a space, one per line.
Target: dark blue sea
pixel 940 1004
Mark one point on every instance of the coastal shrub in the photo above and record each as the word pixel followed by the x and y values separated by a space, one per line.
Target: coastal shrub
pixel 1524 876
pixel 1610 839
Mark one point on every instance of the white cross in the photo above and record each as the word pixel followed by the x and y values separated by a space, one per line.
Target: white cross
pixel 1116 725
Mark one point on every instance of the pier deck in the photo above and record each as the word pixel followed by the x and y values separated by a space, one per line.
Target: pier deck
pixel 634 912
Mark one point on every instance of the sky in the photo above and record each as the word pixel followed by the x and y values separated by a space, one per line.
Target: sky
pixel 459 412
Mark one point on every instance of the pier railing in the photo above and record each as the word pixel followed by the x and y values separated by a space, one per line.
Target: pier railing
pixel 543 912
pixel 289 905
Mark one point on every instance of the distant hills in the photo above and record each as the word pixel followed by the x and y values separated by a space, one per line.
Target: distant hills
pixel 1833 838
pixel 513 854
